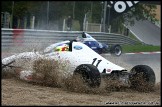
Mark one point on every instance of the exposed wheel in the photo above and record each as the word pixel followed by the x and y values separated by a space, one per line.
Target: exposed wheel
pixel 116 50
pixel 142 78
pixel 89 74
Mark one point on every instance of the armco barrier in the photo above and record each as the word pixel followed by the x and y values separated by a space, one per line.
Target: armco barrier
pixel 27 39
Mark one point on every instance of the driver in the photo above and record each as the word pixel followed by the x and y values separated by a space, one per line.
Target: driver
pixel 62 47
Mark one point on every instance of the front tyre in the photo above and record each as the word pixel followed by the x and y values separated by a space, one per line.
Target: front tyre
pixel 142 78
pixel 89 74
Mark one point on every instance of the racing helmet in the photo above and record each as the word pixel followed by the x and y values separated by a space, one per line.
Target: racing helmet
pixel 62 47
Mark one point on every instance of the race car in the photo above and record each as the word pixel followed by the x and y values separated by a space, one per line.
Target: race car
pixel 98 46
pixel 83 61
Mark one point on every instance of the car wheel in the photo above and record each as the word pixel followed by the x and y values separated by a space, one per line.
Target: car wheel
pixel 116 50
pixel 142 78
pixel 89 74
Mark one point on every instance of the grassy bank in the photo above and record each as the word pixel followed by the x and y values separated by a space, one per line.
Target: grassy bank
pixel 140 48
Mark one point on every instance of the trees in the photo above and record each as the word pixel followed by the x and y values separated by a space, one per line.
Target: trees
pixel 59 10
pixel 139 12
pixel 81 9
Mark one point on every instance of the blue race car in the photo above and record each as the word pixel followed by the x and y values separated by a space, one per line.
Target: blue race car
pixel 98 46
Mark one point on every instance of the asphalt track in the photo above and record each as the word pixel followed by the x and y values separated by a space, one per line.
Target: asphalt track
pixel 146 32
pixel 130 60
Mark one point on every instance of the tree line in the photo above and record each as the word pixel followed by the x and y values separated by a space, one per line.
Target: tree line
pixel 76 9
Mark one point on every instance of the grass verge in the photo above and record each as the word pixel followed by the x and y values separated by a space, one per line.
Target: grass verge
pixel 140 48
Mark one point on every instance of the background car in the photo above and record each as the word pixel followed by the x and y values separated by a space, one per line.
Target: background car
pixel 98 46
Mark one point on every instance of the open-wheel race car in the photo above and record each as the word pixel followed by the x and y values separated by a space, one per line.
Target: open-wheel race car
pixel 99 47
pixel 84 61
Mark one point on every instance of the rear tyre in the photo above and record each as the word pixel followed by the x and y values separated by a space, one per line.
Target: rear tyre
pixel 89 74
pixel 116 50
pixel 142 78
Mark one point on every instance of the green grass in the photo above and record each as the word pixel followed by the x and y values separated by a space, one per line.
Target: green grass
pixel 140 48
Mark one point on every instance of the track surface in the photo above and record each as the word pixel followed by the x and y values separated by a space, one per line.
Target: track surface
pixel 146 32
pixel 16 92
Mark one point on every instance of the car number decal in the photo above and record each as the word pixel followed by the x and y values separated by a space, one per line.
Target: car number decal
pixel 94 60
